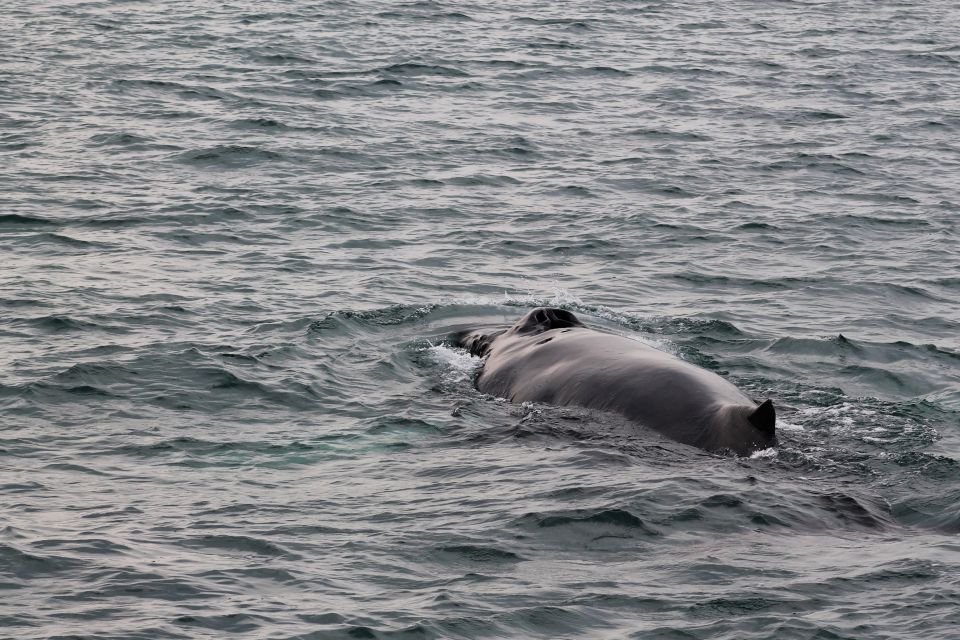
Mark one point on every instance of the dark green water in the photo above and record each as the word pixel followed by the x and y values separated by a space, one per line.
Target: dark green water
pixel 235 239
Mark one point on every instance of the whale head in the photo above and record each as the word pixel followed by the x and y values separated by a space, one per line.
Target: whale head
pixel 544 319
pixel 479 341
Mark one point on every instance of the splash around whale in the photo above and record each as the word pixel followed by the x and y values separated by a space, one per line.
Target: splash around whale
pixel 549 356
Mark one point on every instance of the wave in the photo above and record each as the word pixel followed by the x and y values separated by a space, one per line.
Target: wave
pixel 230 156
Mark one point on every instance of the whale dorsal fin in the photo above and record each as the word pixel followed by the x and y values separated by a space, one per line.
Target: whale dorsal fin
pixel 544 319
pixel 764 417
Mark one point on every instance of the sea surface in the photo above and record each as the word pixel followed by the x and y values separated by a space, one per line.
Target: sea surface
pixel 236 237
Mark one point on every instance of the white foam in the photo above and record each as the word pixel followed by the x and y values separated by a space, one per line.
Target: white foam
pixel 844 413
pixel 561 297
pixel 783 425
pixel 457 364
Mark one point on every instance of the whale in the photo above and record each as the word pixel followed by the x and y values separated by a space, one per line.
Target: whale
pixel 548 356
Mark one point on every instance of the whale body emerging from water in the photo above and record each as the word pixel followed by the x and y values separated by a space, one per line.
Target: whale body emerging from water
pixel 549 356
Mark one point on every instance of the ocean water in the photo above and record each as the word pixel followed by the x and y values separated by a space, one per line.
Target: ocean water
pixel 236 237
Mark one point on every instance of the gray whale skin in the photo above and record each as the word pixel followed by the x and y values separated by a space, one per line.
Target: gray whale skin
pixel 549 356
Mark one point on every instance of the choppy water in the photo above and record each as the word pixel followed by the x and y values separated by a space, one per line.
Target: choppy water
pixel 235 236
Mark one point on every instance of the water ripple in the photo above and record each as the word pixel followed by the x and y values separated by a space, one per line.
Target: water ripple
pixel 238 238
